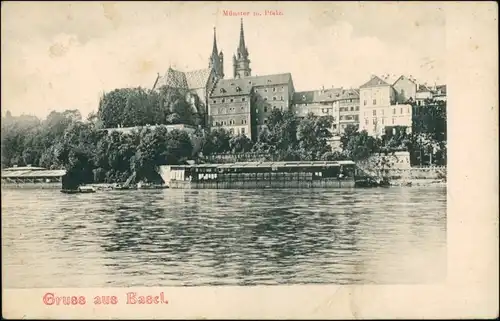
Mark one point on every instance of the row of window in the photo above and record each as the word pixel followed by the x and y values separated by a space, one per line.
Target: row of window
pixel 223 111
pixel 230 122
pixel 374 102
pixel 266 109
pixel 374 121
pixel 394 110
pixel 266 89
pixel 352 108
pixel 231 100
pixel 275 98
pixel 238 131
pixel 349 117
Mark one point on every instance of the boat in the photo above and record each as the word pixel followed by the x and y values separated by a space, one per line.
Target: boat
pixel 142 185
pixel 86 189
pixel 80 189
pixel 259 175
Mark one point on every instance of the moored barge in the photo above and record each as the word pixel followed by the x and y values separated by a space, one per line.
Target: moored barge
pixel 252 175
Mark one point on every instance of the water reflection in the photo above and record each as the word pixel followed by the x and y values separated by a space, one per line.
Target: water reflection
pixel 207 237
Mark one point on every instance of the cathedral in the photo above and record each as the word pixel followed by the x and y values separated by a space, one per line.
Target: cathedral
pixel 240 104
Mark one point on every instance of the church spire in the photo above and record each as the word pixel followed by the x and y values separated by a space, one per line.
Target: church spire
pixel 242 49
pixel 216 60
pixel 215 52
pixel 241 63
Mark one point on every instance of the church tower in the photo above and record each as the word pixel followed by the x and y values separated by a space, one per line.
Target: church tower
pixel 241 63
pixel 216 60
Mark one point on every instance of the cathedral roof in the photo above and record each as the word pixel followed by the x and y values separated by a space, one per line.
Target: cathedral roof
pixel 229 87
pixel 197 78
pixel 187 80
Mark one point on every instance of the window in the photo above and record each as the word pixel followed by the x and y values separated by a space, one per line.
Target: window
pixel 356 118
pixel 282 98
pixel 374 112
pixel 223 100
pixel 265 98
pixel 265 90
pixel 408 110
pixel 357 107
pixel 364 102
pixel 374 101
pixel 243 99
pixel 231 100
pixel 350 100
pixel 274 89
pixel 243 130
pixel 274 98
pixel 215 101
pixel 265 109
pixel 401 110
pixel 242 121
pixel 382 112
pixel 394 111
pixel 374 121
pixel 352 108
pixel 231 130
pixel 222 90
pixel 242 108
pixel 382 121
pixel 265 120
pixel 393 120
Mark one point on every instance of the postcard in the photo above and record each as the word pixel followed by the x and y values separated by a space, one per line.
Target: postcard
pixel 261 160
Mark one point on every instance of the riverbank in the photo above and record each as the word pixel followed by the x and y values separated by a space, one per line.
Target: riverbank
pixel 418 182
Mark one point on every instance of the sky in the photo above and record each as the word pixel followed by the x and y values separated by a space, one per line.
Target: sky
pixel 62 55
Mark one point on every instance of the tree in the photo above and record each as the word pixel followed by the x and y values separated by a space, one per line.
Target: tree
pixel 240 144
pixel 361 146
pixel 349 131
pixel 216 141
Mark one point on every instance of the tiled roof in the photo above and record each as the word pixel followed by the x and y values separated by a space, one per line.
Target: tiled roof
pixel 187 80
pixel 423 88
pixel 333 94
pixel 35 173
pixel 268 80
pixel 270 164
pixel 375 82
pixel 197 78
pixel 229 87
pixel 410 78
pixel 173 78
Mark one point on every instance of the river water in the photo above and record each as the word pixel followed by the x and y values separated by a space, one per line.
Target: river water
pixel 223 237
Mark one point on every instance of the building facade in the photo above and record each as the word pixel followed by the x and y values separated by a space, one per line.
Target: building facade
pixel 242 105
pixel 342 104
pixel 380 109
